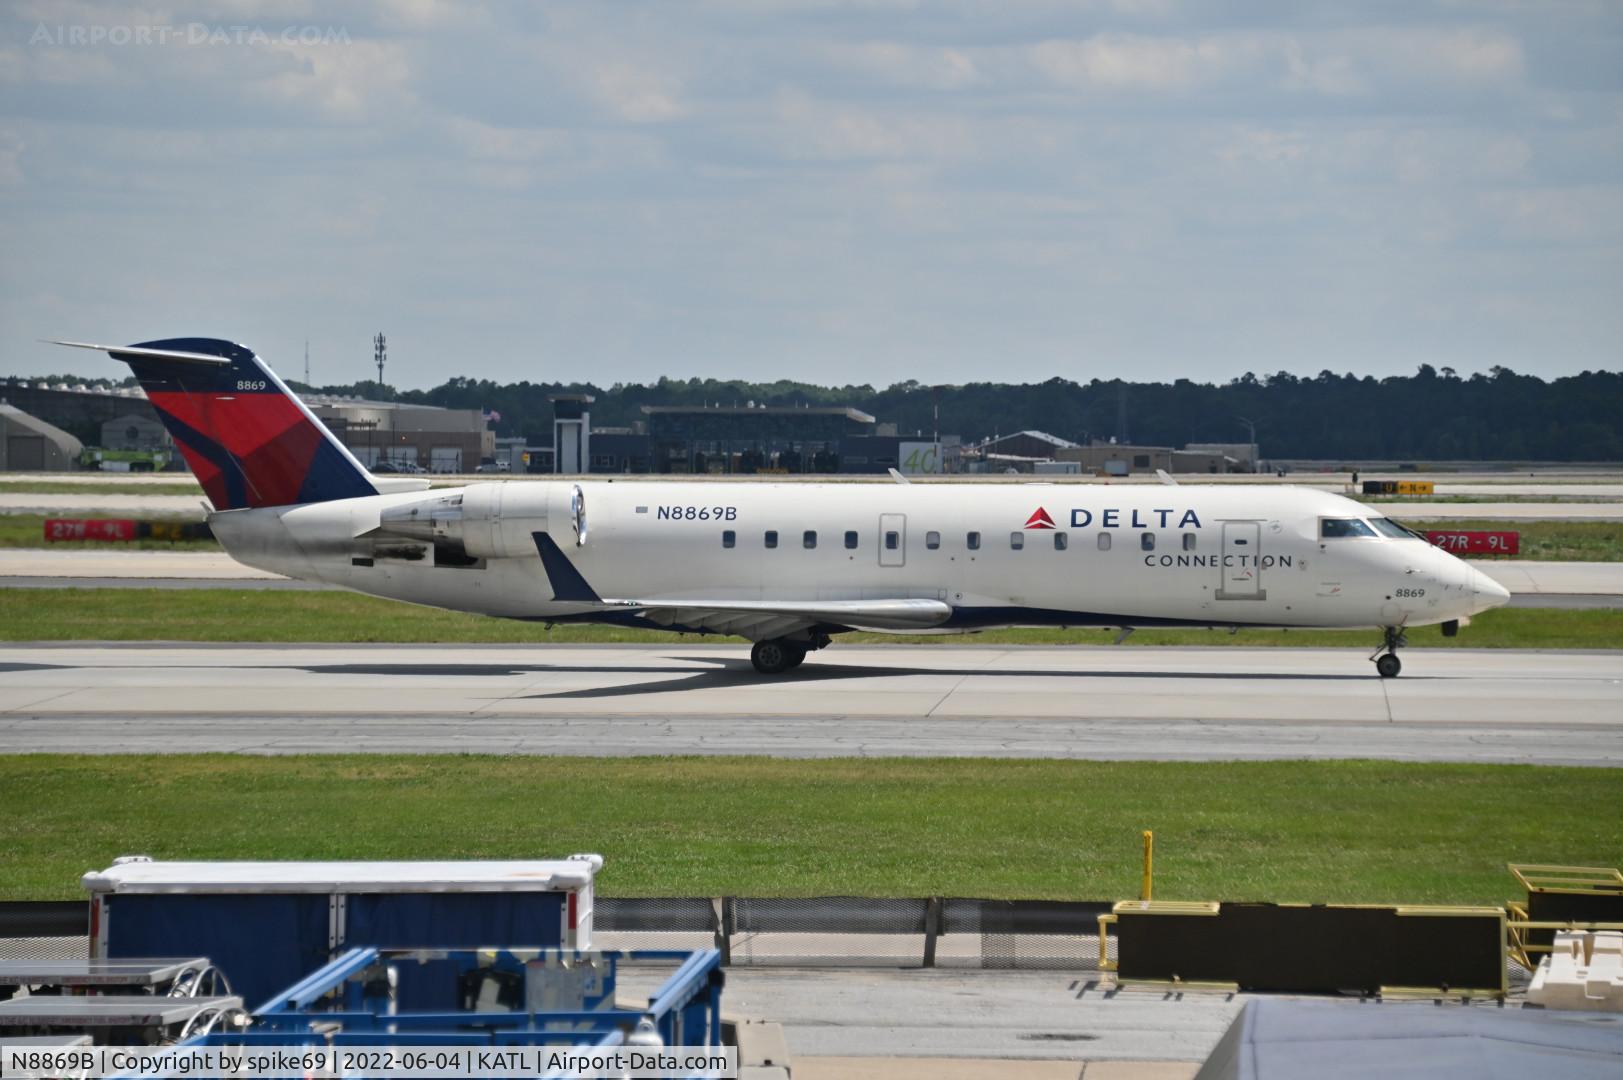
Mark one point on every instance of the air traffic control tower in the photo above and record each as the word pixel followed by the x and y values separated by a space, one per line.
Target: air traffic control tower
pixel 571 433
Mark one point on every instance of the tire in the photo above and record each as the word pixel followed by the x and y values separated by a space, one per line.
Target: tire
pixel 1388 665
pixel 774 656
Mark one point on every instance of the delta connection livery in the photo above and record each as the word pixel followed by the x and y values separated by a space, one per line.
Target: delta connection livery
pixel 788 566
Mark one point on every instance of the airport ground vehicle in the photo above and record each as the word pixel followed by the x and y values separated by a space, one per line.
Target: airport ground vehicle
pixel 98 459
pixel 788 565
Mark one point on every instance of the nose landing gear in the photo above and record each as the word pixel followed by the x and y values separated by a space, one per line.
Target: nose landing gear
pixel 1386 657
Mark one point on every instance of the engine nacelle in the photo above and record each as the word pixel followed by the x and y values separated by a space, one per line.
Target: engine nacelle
pixel 487 521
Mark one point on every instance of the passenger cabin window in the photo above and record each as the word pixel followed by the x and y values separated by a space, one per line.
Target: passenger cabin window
pixel 1342 528
pixel 1146 541
pixel 772 538
pixel 1017 540
pixel 851 538
pixel 729 538
pixel 1389 528
pixel 973 541
pixel 1061 541
pixel 1104 541
pixel 808 539
pixel 893 540
pixel 932 540
pixel 1189 541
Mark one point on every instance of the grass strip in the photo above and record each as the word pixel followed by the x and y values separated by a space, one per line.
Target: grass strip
pixel 1376 500
pixel 1549 541
pixel 99 487
pixel 274 616
pixel 1341 831
pixel 28 531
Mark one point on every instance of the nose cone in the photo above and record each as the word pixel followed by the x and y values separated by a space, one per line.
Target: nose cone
pixel 1489 593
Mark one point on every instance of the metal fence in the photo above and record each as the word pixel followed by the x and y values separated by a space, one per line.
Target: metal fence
pixel 861 930
pixel 832 931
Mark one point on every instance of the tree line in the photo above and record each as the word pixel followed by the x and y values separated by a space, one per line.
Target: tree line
pixel 1430 415
pixel 1434 414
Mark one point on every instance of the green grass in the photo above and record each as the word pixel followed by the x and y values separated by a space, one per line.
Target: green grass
pixel 28 531
pixel 1426 499
pixel 99 487
pixel 246 615
pixel 1285 831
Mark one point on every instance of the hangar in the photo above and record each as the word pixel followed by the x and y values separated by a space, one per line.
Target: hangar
pixel 29 444
pixel 410 436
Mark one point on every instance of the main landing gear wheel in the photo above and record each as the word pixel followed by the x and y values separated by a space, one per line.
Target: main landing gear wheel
pixel 774 656
pixel 1386 657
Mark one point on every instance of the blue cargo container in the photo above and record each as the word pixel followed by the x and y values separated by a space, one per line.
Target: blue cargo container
pixel 268 924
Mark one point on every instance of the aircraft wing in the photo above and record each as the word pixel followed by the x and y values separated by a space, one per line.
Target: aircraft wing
pixel 758 619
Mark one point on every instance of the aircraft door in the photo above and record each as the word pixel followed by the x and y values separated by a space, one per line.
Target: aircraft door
pixel 1241 572
pixel 892 539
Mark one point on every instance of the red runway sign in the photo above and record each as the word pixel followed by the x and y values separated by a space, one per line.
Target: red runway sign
pixel 89 529
pixel 1475 541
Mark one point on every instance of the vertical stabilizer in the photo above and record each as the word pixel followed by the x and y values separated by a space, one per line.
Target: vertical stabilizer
pixel 248 439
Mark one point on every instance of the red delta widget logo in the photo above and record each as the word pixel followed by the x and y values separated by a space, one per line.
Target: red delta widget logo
pixel 1039 520
pixel 1159 518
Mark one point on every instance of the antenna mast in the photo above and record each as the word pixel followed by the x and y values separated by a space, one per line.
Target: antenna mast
pixel 307 361
pixel 379 355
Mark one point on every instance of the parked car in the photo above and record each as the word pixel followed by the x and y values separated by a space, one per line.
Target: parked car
pixel 494 467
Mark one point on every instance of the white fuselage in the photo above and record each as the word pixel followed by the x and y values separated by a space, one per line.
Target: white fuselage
pixel 1117 555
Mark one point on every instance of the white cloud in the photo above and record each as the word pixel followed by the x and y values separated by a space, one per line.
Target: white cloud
pixel 1473 54
pixel 636 93
pixel 1586 216
pixel 351 82
pixel 934 67
pixel 862 193
pixel 11 153
pixel 1127 61
pixel 809 128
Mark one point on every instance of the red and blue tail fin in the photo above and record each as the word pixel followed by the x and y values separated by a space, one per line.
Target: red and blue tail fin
pixel 249 440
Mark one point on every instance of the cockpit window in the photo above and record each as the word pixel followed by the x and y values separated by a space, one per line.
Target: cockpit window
pixel 1341 528
pixel 1388 527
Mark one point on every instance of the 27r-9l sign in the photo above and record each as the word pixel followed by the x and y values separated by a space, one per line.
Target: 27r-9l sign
pixel 1475 541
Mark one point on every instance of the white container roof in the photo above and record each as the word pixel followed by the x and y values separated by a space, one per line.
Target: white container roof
pixel 540 875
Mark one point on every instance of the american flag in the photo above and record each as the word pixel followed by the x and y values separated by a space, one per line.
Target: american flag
pixel 492 416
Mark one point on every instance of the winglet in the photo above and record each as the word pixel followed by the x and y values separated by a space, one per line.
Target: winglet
pixel 567 584
pixel 1165 478
pixel 899 478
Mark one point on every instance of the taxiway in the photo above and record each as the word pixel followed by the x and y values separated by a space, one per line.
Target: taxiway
pixel 1099 702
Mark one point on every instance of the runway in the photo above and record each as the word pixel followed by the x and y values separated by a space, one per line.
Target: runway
pixel 1098 702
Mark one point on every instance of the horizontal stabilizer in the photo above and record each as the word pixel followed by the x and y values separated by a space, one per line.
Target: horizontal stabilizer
pixel 120 351
pixel 394 485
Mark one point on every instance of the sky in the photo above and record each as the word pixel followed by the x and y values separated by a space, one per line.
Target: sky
pixel 834 193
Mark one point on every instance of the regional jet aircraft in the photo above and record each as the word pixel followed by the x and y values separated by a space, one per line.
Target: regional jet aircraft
pixel 787 565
